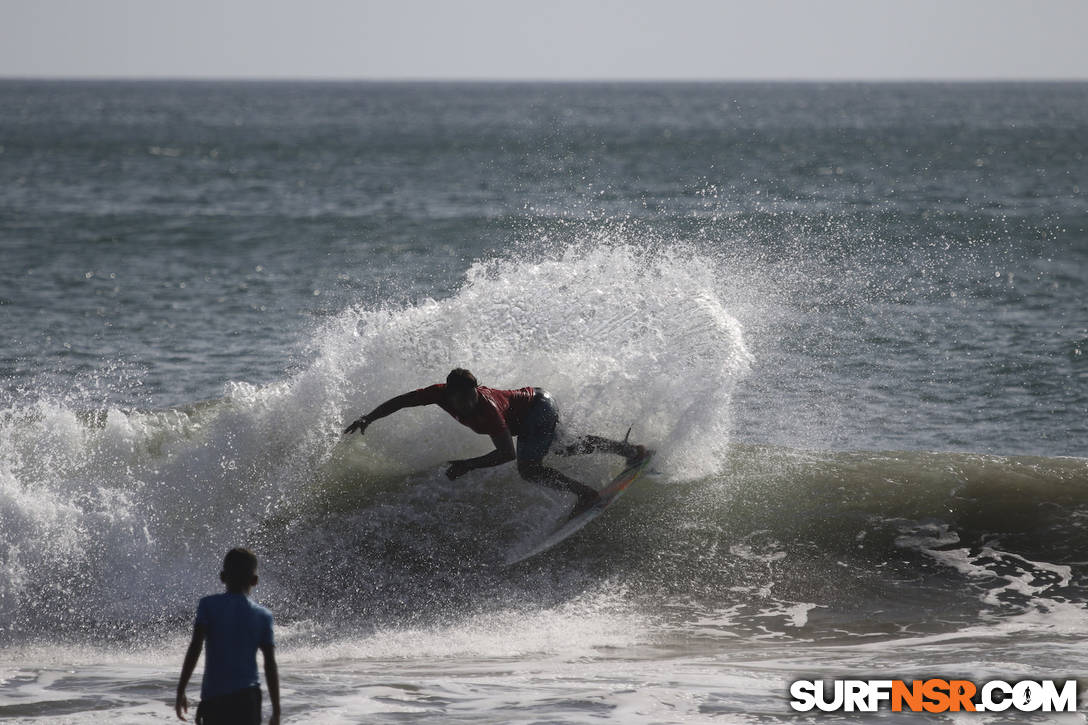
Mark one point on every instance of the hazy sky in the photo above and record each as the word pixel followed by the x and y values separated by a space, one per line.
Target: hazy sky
pixel 561 39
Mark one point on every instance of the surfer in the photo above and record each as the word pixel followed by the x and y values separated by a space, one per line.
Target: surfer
pixel 529 414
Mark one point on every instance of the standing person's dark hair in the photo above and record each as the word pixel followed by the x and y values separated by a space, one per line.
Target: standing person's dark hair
pixel 235 628
pixel 239 568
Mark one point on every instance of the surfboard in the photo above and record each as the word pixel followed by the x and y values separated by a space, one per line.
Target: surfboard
pixel 572 524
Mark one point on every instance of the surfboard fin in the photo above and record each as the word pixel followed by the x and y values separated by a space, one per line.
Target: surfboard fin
pixel 637 452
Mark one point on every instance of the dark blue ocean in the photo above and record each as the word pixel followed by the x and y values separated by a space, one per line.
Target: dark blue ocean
pixel 852 319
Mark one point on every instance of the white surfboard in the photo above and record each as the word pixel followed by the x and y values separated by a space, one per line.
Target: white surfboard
pixel 569 526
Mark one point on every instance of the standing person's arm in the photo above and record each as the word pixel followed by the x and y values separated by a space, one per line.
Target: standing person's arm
pixel 388 408
pixel 272 676
pixel 191 657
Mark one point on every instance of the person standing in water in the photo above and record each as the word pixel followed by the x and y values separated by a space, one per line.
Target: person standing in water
pixel 234 629
pixel 528 414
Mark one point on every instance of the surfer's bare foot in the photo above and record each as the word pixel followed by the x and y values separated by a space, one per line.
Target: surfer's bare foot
pixel 585 503
pixel 634 453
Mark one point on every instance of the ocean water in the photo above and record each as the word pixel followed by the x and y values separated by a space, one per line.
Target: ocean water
pixel 851 318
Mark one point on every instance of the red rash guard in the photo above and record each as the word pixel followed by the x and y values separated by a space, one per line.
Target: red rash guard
pixel 497 410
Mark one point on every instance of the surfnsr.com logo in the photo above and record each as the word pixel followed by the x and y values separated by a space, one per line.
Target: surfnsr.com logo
pixel 934 695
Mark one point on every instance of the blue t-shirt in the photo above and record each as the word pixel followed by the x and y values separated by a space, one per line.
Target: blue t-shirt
pixel 234 628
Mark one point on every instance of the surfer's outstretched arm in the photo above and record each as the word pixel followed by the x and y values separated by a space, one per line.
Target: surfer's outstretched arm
pixel 503 453
pixel 387 408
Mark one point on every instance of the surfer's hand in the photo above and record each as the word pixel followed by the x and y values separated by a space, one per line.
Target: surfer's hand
pixel 359 424
pixel 457 469
pixel 181 703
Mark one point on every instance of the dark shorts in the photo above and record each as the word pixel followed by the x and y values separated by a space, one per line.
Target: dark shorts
pixel 237 708
pixel 538 428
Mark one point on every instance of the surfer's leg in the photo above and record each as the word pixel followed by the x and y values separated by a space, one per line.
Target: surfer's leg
pixel 536 472
pixel 592 444
pixel 535 441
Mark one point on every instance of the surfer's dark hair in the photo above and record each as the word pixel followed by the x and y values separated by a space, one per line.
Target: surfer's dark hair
pixel 461 379
pixel 239 566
